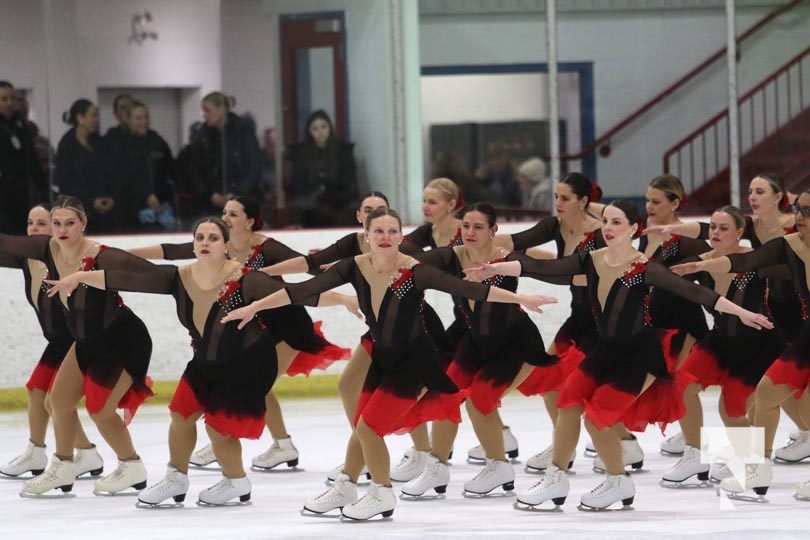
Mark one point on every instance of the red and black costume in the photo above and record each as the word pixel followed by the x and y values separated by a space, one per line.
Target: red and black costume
pixel 404 359
pixel 232 370
pixel 499 337
pixel 578 332
pixel 612 375
pixel 793 365
pixel 733 355
pixel 783 303
pixel 50 315
pixel 110 338
pixel 670 311
pixel 300 333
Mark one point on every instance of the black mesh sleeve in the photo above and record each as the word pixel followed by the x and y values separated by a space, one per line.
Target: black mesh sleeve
pixel 256 285
pixel 544 231
pixel 27 247
pixel 704 231
pixel 175 252
pixel 157 279
pixel 276 252
pixel 659 275
pixel 567 266
pixel 689 247
pixel 11 261
pixel 343 248
pixel 768 254
pixel 427 277
pixel 441 258
pixel 521 256
pixel 335 276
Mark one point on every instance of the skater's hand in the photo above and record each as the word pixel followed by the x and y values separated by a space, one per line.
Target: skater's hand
pixel 243 314
pixel 532 302
pixel 67 285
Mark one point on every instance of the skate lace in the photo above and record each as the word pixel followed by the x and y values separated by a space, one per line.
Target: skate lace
pixel 167 484
pixel 486 473
pixel 408 463
pixel 371 498
pixel 335 493
pixel 549 481
pixel 220 487
pixel 22 458
pixel 114 476
pixel 605 487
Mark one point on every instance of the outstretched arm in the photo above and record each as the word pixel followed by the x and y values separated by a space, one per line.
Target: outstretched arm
pixel 297 265
pixel 148 252
pixel 689 230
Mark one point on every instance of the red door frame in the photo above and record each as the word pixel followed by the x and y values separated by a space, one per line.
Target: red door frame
pixel 298 32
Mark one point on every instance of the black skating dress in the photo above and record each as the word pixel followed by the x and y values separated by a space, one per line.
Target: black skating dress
pixel 51 317
pixel 607 383
pixel 674 316
pixel 793 365
pixel 578 333
pixel 110 338
pixel 403 358
pixel 232 370
pixel 301 334
pixel 733 355
pixel 499 337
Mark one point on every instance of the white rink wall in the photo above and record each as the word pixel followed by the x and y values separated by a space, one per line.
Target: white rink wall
pixel 23 342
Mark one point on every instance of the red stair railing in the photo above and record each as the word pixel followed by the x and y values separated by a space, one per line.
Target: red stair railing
pixel 763 110
pixel 603 141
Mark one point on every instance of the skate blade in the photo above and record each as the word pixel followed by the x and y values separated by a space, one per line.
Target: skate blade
pixel 720 492
pixel 789 462
pixel 589 453
pixel 229 503
pixel 671 454
pixel 800 497
pixel 117 494
pixel 669 484
pixel 213 466
pixel 331 514
pixel 276 469
pixel 585 508
pixel 523 507
pixel 490 495
pixel 373 519
pixel 424 497
pixel 476 461
pixel 67 495
pixel 632 469
pixel 158 506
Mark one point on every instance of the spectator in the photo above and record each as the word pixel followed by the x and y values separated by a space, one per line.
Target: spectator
pixel 80 168
pixel 121 105
pixel 21 177
pixel 225 158
pixel 142 163
pixel 534 183
pixel 324 176
pixel 498 177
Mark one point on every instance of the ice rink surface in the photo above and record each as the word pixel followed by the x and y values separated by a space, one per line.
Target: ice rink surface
pixel 319 430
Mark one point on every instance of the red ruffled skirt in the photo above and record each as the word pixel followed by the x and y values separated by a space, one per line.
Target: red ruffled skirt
pixel 124 346
pixel 793 366
pixel 390 401
pixel 305 362
pixel 45 370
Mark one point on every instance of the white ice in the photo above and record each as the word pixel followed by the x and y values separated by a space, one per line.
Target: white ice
pixel 319 430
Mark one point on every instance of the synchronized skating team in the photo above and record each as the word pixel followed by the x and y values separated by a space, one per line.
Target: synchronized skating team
pixel 635 350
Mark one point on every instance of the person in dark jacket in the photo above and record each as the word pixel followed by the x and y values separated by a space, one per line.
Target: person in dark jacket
pixel 80 169
pixel 225 158
pixel 142 163
pixel 20 174
pixel 324 176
